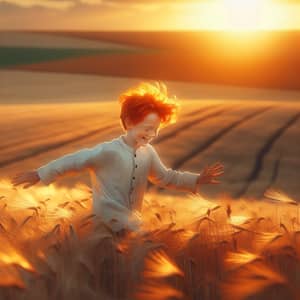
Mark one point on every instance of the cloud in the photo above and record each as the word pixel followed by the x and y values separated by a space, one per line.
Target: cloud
pixel 29 6
pixel 67 4
pixel 104 15
pixel 109 14
pixel 52 4
pixel 64 4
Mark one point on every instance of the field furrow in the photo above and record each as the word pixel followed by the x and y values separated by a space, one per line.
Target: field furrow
pixel 36 134
pixel 257 142
pixel 239 149
pixel 267 146
pixel 42 148
pixel 40 134
pixel 187 124
pixel 281 164
pixel 215 137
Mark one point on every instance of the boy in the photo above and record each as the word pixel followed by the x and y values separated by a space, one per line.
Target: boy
pixel 121 167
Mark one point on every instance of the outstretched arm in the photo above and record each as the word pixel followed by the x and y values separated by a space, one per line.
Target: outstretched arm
pixel 185 181
pixel 74 162
pixel 27 178
pixel 210 174
pixel 165 177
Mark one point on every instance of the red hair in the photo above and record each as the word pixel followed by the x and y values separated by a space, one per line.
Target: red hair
pixel 138 102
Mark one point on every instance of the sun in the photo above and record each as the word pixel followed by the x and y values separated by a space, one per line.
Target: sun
pixel 243 15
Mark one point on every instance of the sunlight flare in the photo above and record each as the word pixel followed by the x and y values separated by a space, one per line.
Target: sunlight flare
pixel 236 259
pixel 239 220
pixel 279 197
pixel 158 264
pixel 243 14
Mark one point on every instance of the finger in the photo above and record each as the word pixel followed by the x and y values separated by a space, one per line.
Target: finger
pixel 18 178
pixel 215 182
pixel 17 182
pixel 19 174
pixel 218 167
pixel 26 186
pixel 215 173
pixel 218 174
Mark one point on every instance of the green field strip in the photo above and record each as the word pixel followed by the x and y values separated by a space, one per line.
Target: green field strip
pixel 14 56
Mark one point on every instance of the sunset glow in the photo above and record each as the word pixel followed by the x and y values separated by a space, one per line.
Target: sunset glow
pixel 224 15
pixel 244 14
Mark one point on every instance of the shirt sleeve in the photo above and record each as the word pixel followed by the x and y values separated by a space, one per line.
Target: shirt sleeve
pixel 169 178
pixel 87 158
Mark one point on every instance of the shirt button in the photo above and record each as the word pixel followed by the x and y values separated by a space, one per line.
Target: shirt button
pixel 133 177
pixel 136 166
pixel 134 155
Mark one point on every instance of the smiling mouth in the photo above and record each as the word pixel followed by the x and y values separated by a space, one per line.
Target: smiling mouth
pixel 145 139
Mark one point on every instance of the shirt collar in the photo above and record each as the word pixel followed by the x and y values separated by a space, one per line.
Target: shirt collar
pixel 127 147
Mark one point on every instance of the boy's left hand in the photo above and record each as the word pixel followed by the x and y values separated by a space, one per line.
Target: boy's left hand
pixel 210 173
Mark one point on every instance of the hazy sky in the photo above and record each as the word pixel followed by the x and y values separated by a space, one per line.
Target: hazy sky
pixel 150 14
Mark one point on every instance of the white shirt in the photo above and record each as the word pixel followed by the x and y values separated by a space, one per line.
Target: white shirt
pixel 119 178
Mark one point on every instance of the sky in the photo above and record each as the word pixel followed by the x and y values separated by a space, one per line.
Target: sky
pixel 150 15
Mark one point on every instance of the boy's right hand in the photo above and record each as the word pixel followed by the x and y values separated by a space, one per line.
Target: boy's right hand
pixel 28 178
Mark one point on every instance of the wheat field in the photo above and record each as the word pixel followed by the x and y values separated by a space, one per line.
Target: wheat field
pixel 237 240
pixel 52 247
pixel 257 141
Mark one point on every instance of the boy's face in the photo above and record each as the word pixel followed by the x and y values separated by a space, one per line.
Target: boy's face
pixel 143 132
